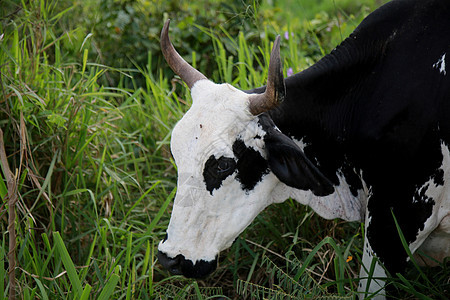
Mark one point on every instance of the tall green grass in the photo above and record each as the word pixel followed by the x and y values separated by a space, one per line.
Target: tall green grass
pixel 95 175
pixel 95 178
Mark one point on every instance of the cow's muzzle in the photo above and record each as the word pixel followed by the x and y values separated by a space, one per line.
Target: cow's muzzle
pixel 182 266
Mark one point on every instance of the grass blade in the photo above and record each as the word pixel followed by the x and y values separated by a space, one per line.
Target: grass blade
pixel 42 289
pixel 86 292
pixel 109 287
pixel 410 288
pixel 68 264
pixel 408 251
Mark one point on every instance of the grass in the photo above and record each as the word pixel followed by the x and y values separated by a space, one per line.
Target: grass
pixel 90 165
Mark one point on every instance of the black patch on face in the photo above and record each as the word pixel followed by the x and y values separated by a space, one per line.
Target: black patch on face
pixel 251 165
pixel 182 266
pixel 216 171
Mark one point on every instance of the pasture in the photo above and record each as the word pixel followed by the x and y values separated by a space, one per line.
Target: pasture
pixel 87 179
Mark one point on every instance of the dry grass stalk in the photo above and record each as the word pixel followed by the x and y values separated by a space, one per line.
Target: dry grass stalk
pixel 12 197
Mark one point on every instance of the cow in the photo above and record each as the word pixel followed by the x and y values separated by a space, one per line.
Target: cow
pixel 361 135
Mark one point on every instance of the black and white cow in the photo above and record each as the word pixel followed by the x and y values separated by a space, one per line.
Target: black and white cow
pixel 362 135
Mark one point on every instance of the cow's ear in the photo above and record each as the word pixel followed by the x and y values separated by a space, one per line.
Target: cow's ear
pixel 288 162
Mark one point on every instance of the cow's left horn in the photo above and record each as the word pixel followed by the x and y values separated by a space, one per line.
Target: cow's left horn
pixel 275 89
pixel 187 73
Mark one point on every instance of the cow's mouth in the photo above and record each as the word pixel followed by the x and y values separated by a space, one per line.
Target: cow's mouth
pixel 182 266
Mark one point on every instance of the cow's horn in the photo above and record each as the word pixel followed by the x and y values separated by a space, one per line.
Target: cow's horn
pixel 275 89
pixel 187 73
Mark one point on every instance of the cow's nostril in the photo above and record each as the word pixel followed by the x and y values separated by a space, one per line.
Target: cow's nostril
pixel 171 264
pixel 174 266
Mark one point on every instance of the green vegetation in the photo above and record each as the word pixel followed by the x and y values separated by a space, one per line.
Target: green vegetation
pixel 87 106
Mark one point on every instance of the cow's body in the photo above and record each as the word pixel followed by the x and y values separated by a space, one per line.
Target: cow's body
pixel 373 121
pixel 377 111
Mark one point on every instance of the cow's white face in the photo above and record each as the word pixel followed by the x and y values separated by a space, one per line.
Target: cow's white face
pixel 223 175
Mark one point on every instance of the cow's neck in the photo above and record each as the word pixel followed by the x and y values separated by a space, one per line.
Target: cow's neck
pixel 341 204
pixel 319 110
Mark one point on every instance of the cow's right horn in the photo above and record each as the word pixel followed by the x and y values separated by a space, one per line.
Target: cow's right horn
pixel 275 89
pixel 187 73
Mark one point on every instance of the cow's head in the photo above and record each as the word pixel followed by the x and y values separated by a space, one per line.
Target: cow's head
pixel 232 163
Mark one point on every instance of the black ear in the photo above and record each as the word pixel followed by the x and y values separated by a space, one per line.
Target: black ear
pixel 288 162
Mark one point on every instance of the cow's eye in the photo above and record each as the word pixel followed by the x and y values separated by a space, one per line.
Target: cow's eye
pixel 223 166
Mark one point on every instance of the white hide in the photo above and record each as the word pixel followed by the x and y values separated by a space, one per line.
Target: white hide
pixel 434 239
pixel 440 65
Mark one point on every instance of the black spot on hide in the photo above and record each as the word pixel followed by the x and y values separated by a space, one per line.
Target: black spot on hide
pixel 250 164
pixel 216 171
